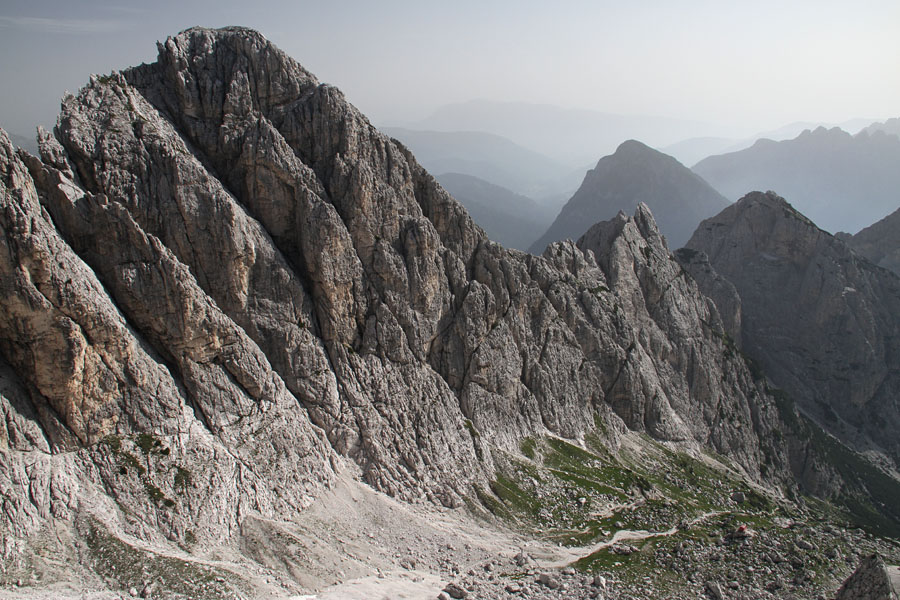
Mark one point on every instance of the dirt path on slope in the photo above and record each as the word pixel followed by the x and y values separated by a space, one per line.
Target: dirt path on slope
pixel 571 554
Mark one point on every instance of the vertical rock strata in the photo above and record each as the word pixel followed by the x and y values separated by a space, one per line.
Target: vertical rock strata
pixel 823 322
pixel 684 371
pixel 140 363
pixel 219 277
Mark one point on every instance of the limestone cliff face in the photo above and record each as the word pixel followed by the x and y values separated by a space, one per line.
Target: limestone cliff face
pixel 715 287
pixel 219 277
pixel 680 343
pixel 135 389
pixel 879 242
pixel 823 322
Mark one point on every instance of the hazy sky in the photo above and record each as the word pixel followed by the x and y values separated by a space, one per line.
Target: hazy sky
pixel 749 65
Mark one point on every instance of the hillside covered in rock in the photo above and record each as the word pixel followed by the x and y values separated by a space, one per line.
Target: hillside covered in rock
pixel 226 295
pixel 823 322
pixel 636 174
pixel 879 242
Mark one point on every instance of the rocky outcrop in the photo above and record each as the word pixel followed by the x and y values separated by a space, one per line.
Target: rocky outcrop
pixel 637 174
pixel 88 391
pixel 680 344
pixel 879 242
pixel 716 287
pixel 822 322
pixel 870 581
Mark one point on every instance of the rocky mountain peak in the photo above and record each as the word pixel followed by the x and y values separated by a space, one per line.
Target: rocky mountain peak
pixel 277 256
pixel 637 174
pixel 678 328
pixel 799 283
pixel 634 148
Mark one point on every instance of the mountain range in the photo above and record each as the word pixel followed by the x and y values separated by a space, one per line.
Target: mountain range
pixel 508 218
pixel 840 181
pixel 489 157
pixel 891 127
pixel 571 137
pixel 636 174
pixel 692 150
pixel 250 347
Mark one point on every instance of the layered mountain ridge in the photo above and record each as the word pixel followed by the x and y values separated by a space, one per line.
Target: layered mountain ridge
pixel 222 286
pixel 636 174
pixel 508 218
pixel 842 182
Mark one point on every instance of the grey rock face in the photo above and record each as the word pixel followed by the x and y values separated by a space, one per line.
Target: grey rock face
pixel 84 374
pixel 219 276
pixel 822 322
pixel 870 581
pixel 715 287
pixel 679 345
pixel 879 242
pixel 637 174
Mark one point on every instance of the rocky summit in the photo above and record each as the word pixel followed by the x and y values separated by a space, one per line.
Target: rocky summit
pixel 823 322
pixel 250 348
pixel 637 174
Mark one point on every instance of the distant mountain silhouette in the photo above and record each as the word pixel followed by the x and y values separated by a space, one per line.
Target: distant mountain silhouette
pixel 490 157
pixel 509 218
pixel 891 127
pixel 841 181
pixel 637 173
pixel 570 136
pixel 26 143
pixel 693 150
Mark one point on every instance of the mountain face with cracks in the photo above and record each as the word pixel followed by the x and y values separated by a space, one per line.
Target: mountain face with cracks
pixel 822 321
pixel 222 286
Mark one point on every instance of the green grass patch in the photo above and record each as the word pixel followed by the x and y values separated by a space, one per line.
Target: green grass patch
pixel 493 505
pixel 872 497
pixel 517 499
pixel 529 447
pixel 113 559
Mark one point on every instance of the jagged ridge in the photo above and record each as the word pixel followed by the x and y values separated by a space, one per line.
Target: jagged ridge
pixel 821 321
pixel 221 278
